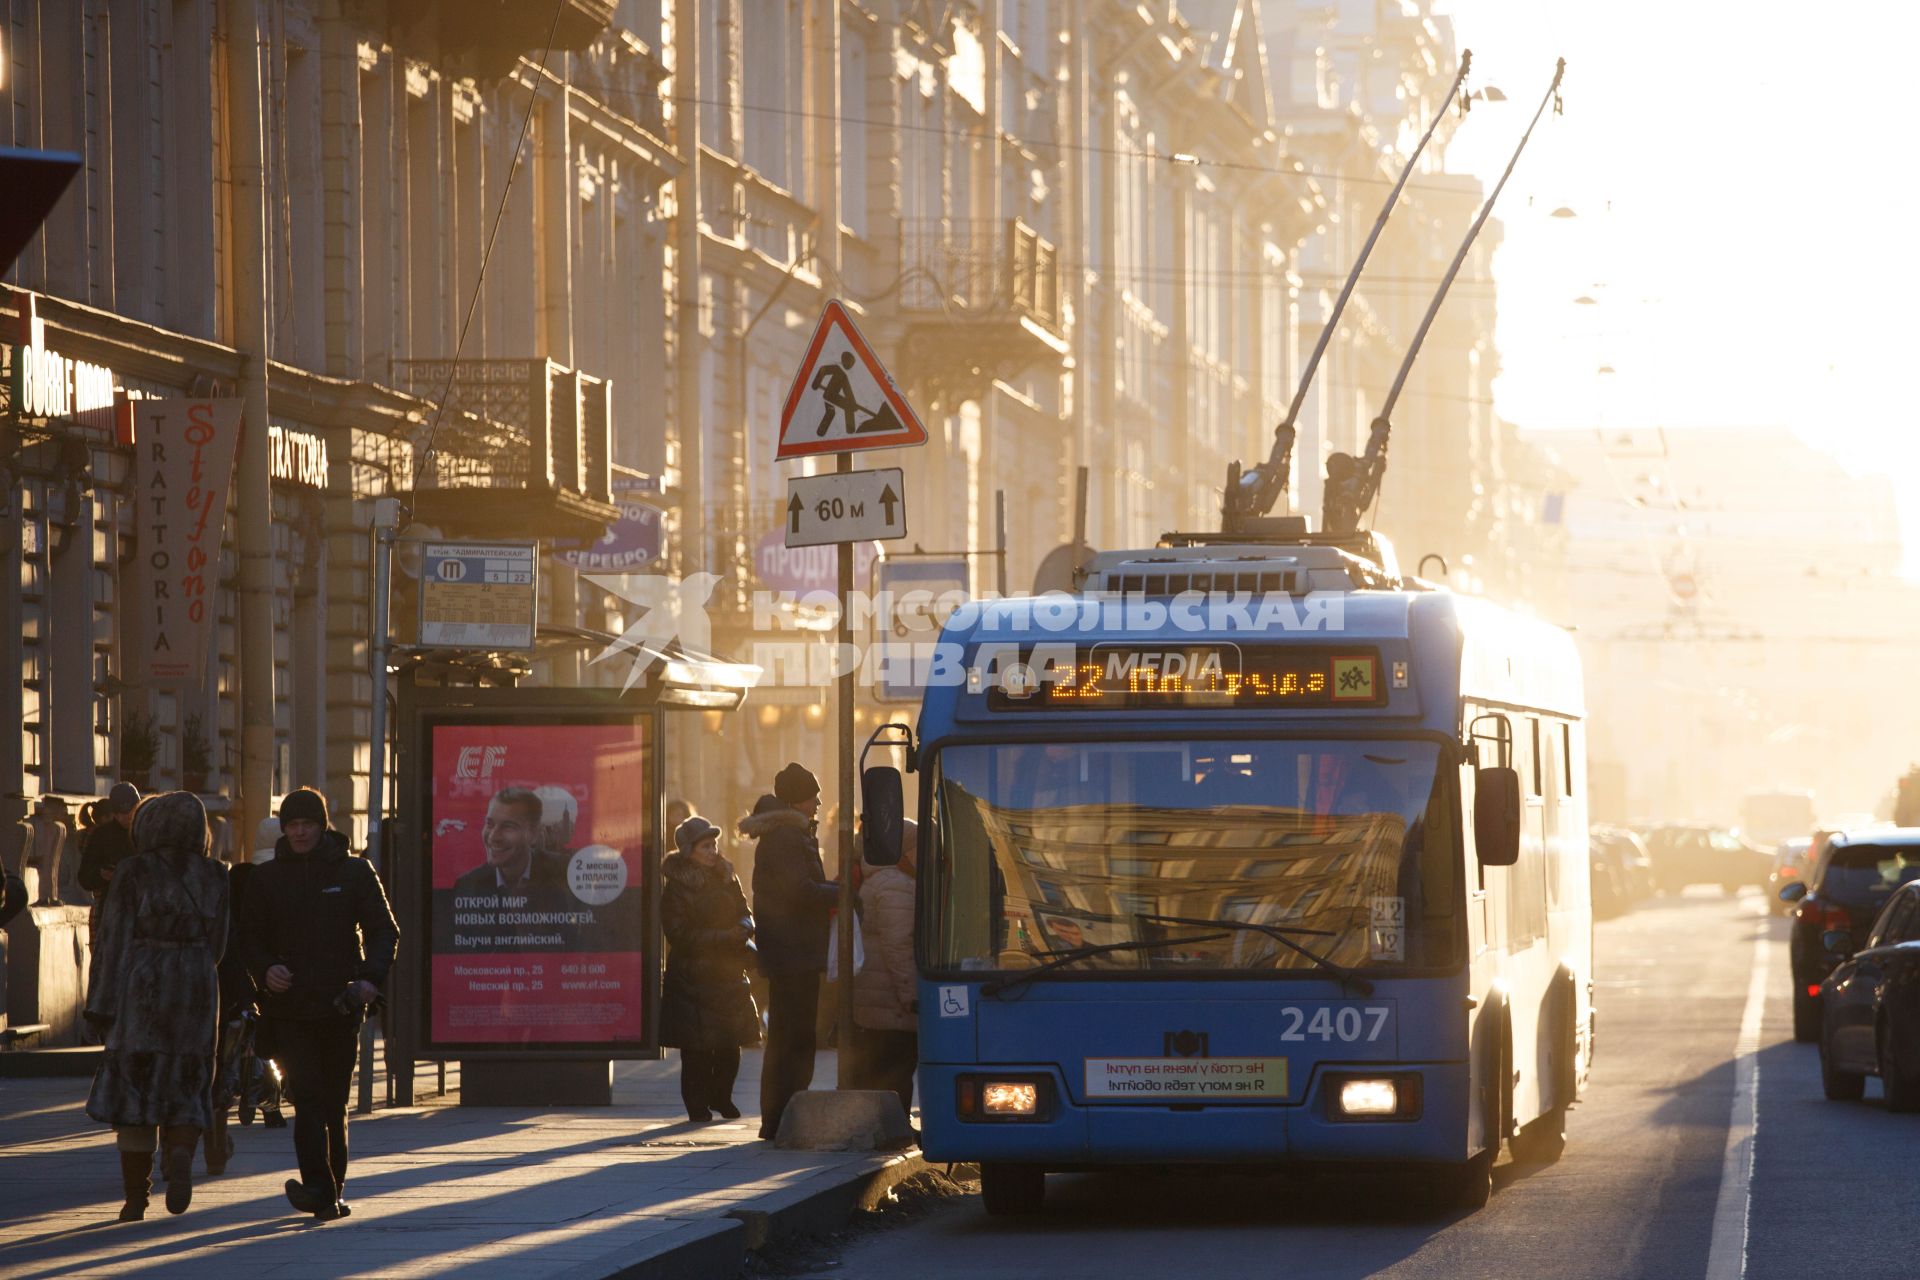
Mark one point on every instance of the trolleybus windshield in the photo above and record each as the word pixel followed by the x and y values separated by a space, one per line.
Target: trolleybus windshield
pixel 1349 847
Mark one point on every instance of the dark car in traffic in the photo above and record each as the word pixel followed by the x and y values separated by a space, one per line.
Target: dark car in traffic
pixel 1696 853
pixel 1870 1007
pixel 1619 868
pixel 1792 860
pixel 1854 876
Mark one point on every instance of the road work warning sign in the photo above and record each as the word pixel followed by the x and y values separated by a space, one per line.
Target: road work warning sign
pixel 843 400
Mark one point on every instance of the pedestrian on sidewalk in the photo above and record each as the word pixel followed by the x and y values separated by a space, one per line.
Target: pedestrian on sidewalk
pixel 793 904
pixel 886 1039
pixel 108 845
pixel 706 1009
pixel 302 929
pixel 154 992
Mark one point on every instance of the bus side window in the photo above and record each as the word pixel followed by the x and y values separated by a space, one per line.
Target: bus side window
pixel 1566 759
pixel 1538 789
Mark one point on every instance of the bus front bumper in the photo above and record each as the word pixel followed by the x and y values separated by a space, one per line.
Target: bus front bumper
pixel 1074 1133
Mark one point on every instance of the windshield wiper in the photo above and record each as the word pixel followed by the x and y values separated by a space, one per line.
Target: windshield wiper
pixel 995 987
pixel 1348 978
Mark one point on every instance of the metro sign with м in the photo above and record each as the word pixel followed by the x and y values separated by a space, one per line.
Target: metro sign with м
pixel 846 506
pixel 843 400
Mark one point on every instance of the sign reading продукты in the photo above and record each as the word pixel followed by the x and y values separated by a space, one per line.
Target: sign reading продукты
pixel 478 595
pixel 846 506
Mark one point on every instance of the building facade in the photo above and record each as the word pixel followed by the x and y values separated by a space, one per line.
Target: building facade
pixel 524 271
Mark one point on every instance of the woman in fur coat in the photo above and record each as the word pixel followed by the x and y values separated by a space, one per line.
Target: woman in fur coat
pixel 706 1004
pixel 155 994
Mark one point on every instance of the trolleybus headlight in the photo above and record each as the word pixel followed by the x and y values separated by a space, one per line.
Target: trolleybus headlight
pixel 1369 1098
pixel 1372 1097
pixel 1002 1098
pixel 1010 1099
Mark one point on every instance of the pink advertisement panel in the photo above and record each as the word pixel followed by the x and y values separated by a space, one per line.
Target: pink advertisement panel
pixel 537 864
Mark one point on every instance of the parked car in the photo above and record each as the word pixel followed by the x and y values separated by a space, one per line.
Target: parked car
pixel 1792 861
pixel 1684 854
pixel 1852 879
pixel 1619 869
pixel 1870 1006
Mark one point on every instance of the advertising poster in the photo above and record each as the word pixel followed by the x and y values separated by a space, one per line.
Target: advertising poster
pixel 537 846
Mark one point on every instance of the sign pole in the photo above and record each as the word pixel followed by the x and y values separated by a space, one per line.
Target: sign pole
pixel 844 1058
pixel 386 516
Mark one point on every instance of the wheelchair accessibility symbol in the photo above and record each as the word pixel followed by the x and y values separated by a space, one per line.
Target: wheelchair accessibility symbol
pixel 953 1002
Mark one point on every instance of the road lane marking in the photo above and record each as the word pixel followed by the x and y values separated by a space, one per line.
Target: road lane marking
pixel 1727 1254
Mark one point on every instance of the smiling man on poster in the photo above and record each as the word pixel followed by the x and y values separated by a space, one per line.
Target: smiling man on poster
pixel 516 865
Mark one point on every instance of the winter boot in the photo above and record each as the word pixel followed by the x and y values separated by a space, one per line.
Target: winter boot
pixel 178 1141
pixel 136 1171
pixel 218 1145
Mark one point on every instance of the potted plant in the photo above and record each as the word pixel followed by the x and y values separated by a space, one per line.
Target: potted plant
pixel 196 755
pixel 139 749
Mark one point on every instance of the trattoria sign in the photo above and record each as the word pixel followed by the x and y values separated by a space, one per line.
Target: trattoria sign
pixel 183 465
pixel 298 457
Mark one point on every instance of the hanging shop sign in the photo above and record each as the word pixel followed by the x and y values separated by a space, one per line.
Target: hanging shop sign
pixel 182 468
pixel 297 457
pixel 631 542
pixel 47 384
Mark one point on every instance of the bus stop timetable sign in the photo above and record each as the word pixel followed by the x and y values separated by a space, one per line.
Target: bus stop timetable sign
pixel 478 595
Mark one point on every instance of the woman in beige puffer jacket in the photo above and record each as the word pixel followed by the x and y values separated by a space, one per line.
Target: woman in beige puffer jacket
pixel 885 994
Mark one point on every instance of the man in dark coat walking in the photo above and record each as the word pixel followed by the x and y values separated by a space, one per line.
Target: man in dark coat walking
pixel 793 904
pixel 317 935
pixel 108 845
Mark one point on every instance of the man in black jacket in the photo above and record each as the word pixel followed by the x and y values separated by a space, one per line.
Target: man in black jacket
pixel 318 937
pixel 108 845
pixel 793 904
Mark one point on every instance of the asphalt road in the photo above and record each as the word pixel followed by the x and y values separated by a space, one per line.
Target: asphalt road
pixel 1832 1188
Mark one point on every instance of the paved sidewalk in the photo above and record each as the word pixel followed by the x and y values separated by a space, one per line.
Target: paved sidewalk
pixel 436 1189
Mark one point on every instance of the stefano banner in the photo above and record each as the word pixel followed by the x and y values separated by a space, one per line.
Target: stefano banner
pixel 537 848
pixel 184 462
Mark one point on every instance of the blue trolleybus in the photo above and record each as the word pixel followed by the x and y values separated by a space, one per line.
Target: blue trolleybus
pixel 1253 854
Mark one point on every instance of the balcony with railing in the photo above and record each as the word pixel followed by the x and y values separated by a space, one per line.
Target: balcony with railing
pixel 522 448
pixel 490 36
pixel 981 300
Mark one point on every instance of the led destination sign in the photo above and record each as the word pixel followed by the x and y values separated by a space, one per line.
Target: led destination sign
pixel 1193 677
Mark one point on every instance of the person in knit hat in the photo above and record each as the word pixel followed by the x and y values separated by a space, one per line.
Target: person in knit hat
pixel 317 935
pixel 706 1003
pixel 793 904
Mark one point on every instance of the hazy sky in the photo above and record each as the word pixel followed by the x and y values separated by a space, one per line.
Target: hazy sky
pixel 1745 219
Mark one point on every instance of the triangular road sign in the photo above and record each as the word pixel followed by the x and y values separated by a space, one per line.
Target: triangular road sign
pixel 842 400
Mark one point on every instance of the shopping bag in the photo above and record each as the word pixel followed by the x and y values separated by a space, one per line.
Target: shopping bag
pixel 833 949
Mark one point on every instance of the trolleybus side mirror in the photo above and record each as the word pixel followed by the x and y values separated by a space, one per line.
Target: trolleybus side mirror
pixel 1496 816
pixel 883 807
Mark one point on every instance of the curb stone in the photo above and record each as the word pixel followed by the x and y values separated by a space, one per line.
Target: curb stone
pixel 707 1248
